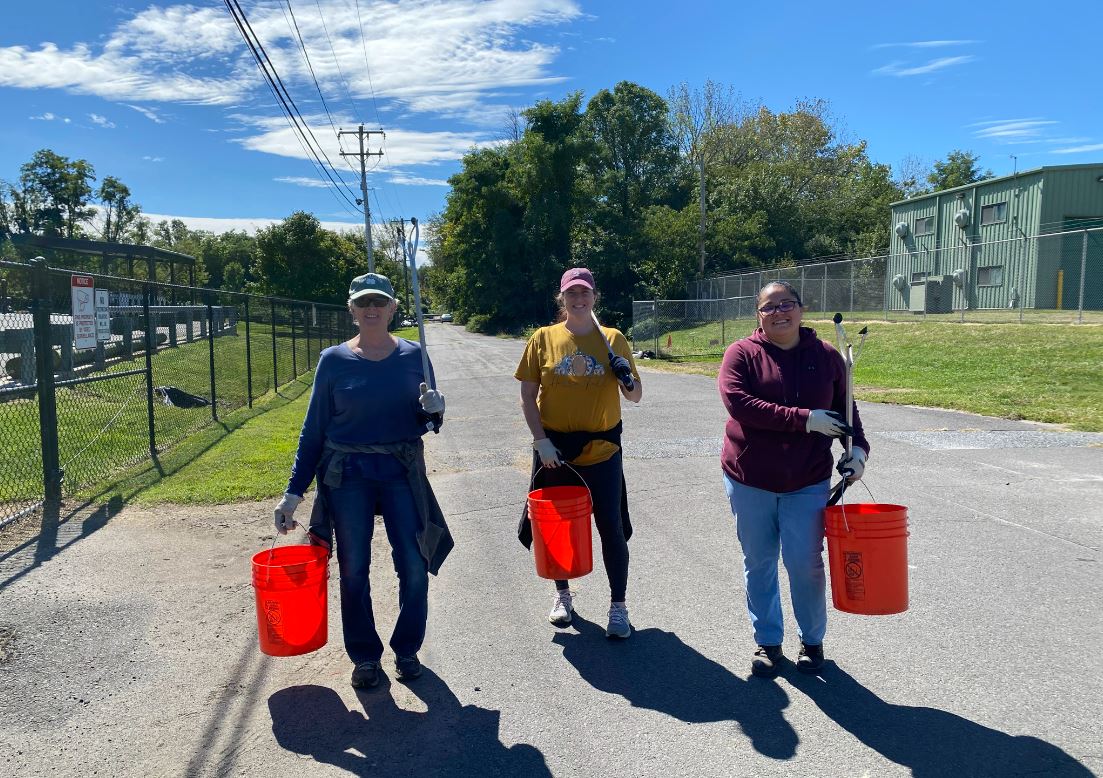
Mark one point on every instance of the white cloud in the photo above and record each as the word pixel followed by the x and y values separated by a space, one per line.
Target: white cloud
pixel 1080 149
pixel 304 181
pixel 1012 130
pixel 148 158
pixel 149 113
pixel 245 223
pixel 429 55
pixel 108 75
pixel 901 69
pixel 409 180
pixel 49 117
pixel 935 44
pixel 404 148
pixel 101 121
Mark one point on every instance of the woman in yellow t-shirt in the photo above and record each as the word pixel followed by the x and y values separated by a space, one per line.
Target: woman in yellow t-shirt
pixel 571 385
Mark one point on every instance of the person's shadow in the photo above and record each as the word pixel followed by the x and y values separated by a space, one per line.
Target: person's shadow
pixel 929 741
pixel 449 739
pixel 656 670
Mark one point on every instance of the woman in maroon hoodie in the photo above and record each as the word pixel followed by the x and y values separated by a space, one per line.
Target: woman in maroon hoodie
pixel 785 391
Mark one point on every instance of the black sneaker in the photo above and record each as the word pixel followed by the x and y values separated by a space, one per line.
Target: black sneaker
pixel 810 658
pixel 365 674
pixel 766 662
pixel 407 667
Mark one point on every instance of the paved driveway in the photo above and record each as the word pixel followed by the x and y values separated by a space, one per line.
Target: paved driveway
pixel 133 650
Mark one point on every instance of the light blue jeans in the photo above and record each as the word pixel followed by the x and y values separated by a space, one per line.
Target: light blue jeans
pixel 791 522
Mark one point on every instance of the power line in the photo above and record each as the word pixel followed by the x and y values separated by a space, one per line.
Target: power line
pixel 333 51
pixel 397 200
pixel 283 96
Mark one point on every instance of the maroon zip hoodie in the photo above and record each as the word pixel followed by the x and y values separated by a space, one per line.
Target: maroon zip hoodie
pixel 769 393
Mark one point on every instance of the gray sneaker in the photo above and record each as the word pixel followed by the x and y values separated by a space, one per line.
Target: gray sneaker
pixel 619 626
pixel 562 608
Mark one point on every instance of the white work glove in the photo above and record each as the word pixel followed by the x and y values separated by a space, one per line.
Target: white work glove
pixel 549 454
pixel 431 400
pixel 829 423
pixel 851 467
pixel 285 511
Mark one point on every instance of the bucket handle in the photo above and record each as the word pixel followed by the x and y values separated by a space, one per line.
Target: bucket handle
pixel 272 550
pixel 842 502
pixel 532 481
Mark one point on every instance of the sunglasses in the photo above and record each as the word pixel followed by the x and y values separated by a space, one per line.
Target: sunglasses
pixel 371 301
pixel 785 306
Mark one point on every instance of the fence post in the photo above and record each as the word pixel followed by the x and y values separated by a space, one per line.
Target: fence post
pixel 210 350
pixel 656 330
pixel 306 333
pixel 294 346
pixel 248 357
pixel 1083 272
pixel 151 338
pixel 275 363
pixel 52 473
pixel 823 299
pixel 852 286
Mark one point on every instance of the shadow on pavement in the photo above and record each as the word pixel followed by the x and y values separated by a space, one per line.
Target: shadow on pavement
pixel 928 741
pixel 449 739
pixel 654 669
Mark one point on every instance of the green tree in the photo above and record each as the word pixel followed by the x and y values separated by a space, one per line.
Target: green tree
pixel 298 258
pixel 119 212
pixel 54 195
pixel 631 166
pixel 958 169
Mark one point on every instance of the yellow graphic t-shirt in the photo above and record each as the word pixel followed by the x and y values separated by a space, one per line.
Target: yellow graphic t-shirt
pixel 578 391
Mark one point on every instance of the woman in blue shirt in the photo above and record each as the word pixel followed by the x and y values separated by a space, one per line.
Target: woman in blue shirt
pixel 369 407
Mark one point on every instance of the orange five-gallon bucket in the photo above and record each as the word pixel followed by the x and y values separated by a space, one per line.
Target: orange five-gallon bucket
pixel 291 586
pixel 867 550
pixel 561 537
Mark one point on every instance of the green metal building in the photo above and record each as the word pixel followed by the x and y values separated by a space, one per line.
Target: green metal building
pixel 985 245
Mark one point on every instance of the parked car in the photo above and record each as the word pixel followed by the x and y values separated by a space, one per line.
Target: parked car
pixel 408 323
pixel 446 317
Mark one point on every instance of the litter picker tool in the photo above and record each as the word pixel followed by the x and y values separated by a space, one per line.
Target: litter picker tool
pixel 435 420
pixel 631 383
pixel 846 350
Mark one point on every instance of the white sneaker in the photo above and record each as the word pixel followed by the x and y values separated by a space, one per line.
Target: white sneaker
pixel 619 626
pixel 562 608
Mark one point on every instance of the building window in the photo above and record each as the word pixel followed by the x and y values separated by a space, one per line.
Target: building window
pixel 993 214
pixel 990 276
pixel 924 226
pixel 918 278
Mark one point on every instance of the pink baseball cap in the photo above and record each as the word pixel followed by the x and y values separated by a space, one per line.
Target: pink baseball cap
pixel 576 276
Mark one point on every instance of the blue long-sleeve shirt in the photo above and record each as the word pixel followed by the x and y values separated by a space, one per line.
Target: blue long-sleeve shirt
pixel 356 401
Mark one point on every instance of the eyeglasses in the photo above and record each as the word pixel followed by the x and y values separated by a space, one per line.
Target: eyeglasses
pixel 372 301
pixel 785 306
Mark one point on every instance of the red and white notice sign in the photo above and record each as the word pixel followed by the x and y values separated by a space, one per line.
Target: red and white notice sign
pixel 84 311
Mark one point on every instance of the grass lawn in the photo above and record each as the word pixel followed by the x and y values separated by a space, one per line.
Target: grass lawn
pixel 1041 372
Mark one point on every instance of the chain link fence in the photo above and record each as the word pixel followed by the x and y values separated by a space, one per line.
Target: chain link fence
pixel 1052 278
pixel 98 373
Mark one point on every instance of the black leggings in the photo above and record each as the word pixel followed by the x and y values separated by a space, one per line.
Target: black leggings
pixel 604 479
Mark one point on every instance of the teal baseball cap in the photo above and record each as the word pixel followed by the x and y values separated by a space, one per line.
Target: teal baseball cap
pixel 371 283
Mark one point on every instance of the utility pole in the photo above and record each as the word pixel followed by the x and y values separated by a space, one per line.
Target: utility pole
pixel 361 134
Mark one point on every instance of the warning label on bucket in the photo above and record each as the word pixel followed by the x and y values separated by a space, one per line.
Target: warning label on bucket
pixel 855 578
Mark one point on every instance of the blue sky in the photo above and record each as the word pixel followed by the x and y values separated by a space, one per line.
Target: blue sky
pixel 166 97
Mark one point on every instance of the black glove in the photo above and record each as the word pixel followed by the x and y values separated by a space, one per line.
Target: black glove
pixel 623 371
pixel 431 421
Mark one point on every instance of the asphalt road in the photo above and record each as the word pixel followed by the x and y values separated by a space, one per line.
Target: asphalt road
pixel 128 648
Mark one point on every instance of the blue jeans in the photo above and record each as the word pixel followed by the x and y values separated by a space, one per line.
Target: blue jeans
pixel 370 482
pixel 791 522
